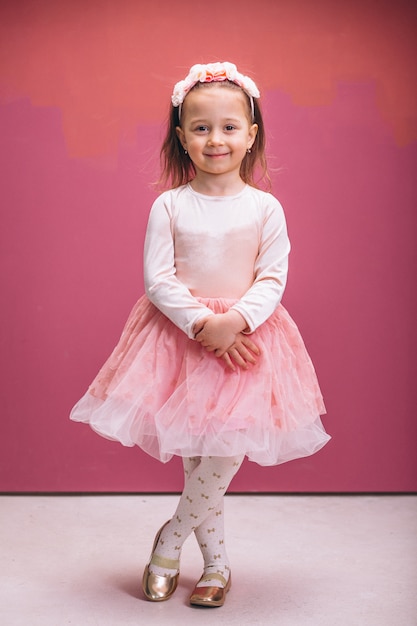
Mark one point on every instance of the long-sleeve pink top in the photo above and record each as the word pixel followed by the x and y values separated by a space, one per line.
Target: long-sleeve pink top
pixel 200 246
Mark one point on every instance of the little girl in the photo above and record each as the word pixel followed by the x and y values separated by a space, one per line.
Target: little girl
pixel 210 366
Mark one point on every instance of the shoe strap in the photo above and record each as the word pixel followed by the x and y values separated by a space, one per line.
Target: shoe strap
pixel 214 576
pixel 161 561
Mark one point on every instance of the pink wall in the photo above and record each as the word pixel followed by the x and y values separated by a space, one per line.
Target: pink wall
pixel 84 89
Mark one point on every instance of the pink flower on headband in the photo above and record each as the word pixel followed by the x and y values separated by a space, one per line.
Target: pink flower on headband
pixel 213 72
pixel 219 71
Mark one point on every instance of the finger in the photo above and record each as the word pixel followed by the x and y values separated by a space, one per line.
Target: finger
pixel 250 344
pixel 209 347
pixel 238 359
pixel 245 353
pixel 199 325
pixel 229 363
pixel 203 340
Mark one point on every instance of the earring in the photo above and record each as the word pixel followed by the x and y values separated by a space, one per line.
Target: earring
pixel 185 151
pixel 248 150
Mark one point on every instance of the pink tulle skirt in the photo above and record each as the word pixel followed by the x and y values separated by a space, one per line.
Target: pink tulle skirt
pixel 165 393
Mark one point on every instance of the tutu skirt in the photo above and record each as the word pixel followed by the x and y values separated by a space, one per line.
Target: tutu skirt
pixel 164 392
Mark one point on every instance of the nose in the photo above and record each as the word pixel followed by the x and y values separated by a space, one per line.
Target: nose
pixel 215 138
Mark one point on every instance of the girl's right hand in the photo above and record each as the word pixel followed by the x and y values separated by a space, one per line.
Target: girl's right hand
pixel 217 333
pixel 242 353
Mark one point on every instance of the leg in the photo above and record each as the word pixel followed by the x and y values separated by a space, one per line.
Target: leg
pixel 204 489
pixel 210 535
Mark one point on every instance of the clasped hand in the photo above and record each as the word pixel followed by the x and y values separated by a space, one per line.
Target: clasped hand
pixel 222 334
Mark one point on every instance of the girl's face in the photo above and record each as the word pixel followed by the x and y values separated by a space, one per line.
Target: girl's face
pixel 216 130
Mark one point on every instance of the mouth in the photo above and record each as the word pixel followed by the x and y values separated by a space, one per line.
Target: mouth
pixel 216 155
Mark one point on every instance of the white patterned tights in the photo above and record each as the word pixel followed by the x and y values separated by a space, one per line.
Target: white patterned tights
pixel 200 510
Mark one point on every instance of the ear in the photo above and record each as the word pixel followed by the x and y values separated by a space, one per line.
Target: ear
pixel 253 130
pixel 181 136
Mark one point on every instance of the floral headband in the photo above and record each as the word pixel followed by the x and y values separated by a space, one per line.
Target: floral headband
pixel 213 72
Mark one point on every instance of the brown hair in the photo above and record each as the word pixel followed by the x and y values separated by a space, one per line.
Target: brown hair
pixel 177 168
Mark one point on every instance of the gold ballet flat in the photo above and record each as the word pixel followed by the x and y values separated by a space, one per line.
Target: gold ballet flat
pixel 211 596
pixel 158 587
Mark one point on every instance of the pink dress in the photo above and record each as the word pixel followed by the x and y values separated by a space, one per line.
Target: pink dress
pixel 160 389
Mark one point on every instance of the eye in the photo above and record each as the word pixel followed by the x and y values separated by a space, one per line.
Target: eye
pixel 230 127
pixel 201 128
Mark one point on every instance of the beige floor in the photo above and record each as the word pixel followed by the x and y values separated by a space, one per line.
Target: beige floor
pixel 297 560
